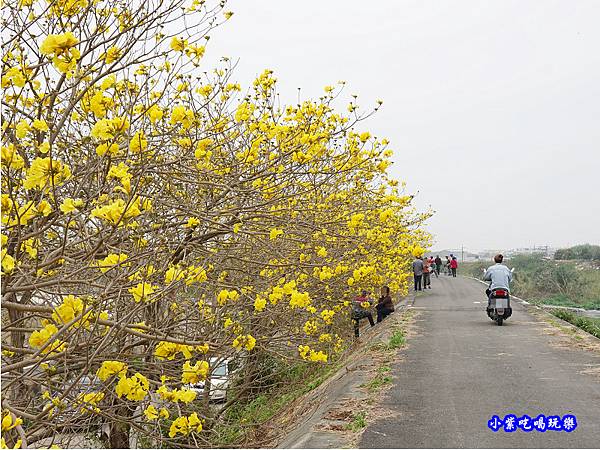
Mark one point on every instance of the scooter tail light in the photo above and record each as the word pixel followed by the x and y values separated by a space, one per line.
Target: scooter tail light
pixel 500 293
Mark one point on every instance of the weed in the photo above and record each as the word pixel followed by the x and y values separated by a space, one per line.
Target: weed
pixel 378 381
pixel 397 340
pixel 359 421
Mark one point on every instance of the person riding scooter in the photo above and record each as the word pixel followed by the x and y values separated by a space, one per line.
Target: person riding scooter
pixel 499 277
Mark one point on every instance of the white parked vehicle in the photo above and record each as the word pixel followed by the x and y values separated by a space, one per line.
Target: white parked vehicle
pixel 219 380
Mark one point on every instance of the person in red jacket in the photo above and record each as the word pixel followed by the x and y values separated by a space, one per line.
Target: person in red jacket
pixel 454 266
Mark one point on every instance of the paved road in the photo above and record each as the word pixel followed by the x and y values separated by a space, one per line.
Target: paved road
pixel 462 368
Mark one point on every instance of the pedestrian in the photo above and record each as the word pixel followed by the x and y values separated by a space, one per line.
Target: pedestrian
pixel 454 266
pixel 426 274
pixel 438 264
pixel 433 266
pixel 448 271
pixel 385 305
pixel 417 267
pixel 359 311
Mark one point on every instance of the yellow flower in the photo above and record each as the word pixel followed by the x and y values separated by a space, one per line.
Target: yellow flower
pixel 39 338
pixel 58 44
pixel 21 129
pixel 174 273
pixel 299 300
pixel 327 316
pixel 244 112
pixel 168 350
pixel 117 211
pixel 40 125
pixel 246 341
pixel 183 395
pixel 178 44
pixel 225 295
pixel 310 327
pixel 44 208
pixel 110 368
pixel 325 337
pixel 308 354
pixel 260 303
pixel 8 423
pixel 99 104
pixel 163 413
pixel 104 148
pixel 151 413
pixel 185 425
pixel 194 422
pixel 106 129
pixel 192 222
pixel 70 308
pixel 155 113
pixel 196 52
pixel 364 137
pixel 90 401
pixel 322 252
pixel 11 157
pixel 69 205
pixel 8 262
pixel 138 142
pixel 14 76
pixel 274 233
pixel 111 55
pixel 142 291
pixel 45 172
pixel 180 114
pixel 194 374
pixel 111 261
pixel 133 388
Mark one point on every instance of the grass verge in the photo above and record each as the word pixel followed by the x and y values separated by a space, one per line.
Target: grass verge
pixel 590 325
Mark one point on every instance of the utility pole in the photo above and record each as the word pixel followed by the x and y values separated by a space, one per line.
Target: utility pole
pixel 462 253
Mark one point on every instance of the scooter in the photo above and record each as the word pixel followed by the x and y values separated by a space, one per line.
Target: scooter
pixel 498 308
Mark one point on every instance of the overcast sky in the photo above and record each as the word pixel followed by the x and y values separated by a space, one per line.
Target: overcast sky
pixel 492 107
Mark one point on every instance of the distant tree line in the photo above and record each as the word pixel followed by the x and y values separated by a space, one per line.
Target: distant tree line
pixel 585 251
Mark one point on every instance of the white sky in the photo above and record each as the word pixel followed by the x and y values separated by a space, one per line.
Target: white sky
pixel 492 107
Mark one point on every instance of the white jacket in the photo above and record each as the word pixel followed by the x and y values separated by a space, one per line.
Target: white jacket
pixel 499 275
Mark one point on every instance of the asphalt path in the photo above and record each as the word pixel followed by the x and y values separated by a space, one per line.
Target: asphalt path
pixel 462 369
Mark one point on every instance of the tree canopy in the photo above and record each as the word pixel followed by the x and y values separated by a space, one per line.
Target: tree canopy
pixel 158 218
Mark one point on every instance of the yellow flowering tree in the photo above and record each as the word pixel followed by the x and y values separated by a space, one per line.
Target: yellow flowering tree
pixel 158 221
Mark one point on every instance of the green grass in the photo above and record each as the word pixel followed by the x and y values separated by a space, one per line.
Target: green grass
pixel 562 300
pixel 382 378
pixel 588 324
pixel 397 340
pixel 359 421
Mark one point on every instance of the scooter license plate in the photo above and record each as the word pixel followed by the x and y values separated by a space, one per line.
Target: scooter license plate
pixel 501 303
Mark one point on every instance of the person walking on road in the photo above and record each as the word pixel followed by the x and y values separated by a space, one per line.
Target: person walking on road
pixel 438 264
pixel 454 266
pixel 385 305
pixel 426 274
pixel 360 312
pixel 433 267
pixel 417 267
pixel 447 265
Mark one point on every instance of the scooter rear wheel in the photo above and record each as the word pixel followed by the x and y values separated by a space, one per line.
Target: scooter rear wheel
pixel 500 320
